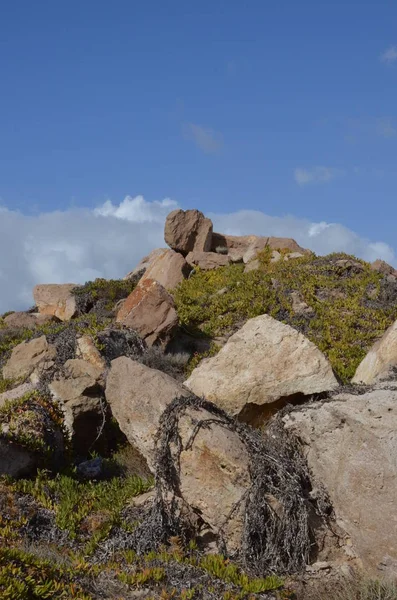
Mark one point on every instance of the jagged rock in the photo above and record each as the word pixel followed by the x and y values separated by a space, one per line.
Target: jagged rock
pixel 262 366
pixel 145 263
pixel 80 392
pixel 29 437
pixel 150 310
pixel 380 360
pixel 16 393
pixel 28 356
pixel 27 320
pixel 138 396
pixel 351 446
pixel 207 260
pixel 383 267
pixel 56 300
pixel 248 246
pixel 86 349
pixel 188 230
pixel 169 269
pixel 213 472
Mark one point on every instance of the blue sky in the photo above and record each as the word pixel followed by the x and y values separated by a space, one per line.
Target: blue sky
pixel 288 108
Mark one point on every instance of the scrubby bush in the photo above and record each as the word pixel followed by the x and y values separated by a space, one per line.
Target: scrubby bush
pixel 351 305
pixel 101 295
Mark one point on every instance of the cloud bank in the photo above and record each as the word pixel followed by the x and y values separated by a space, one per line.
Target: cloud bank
pixel 316 175
pixel 78 245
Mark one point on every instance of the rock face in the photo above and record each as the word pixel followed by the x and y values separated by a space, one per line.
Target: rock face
pixel 16 393
pixel 248 246
pixel 145 263
pixel 28 356
pixel 56 300
pixel 383 267
pixel 351 447
pixel 263 364
pixel 138 396
pixel 27 320
pixel 150 310
pixel 380 360
pixel 213 471
pixel 169 269
pixel 86 349
pixel 81 395
pixel 188 230
pixel 207 260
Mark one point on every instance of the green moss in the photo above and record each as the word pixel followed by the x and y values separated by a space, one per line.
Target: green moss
pixel 349 311
pixel 74 500
pixel 23 576
pixel 107 290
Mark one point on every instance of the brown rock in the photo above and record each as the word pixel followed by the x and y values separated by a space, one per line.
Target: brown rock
pixel 213 469
pixel 207 260
pixel 150 310
pixel 87 350
pixel 262 366
pixel 16 393
pixel 138 396
pixel 56 300
pixel 27 356
pixel 169 269
pixel 27 320
pixel 80 393
pixel 188 230
pixel 380 360
pixel 248 246
pixel 145 263
pixel 350 444
pixel 382 267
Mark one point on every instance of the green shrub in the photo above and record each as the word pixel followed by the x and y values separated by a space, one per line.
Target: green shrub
pixel 351 304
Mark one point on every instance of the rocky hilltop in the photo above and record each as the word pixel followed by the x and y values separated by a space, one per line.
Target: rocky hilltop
pixel 220 424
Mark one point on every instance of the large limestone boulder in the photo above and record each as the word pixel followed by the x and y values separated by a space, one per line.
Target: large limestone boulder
pixel 188 230
pixel 351 446
pixel 169 269
pixel 27 357
pixel 150 310
pixel 246 247
pixel 212 466
pixel 80 394
pixel 380 360
pixel 25 320
pixel 138 396
pixel 261 367
pixel 145 263
pixel 207 260
pixel 56 300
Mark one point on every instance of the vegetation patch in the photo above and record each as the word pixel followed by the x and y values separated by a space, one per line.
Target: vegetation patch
pixel 101 295
pixel 349 306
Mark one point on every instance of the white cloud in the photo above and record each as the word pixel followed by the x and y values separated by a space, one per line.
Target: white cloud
pixel 316 175
pixel 389 56
pixel 80 244
pixel 205 138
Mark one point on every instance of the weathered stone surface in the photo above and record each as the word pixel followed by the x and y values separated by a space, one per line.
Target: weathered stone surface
pixel 214 474
pixel 16 393
pixel 169 269
pixel 27 320
pixel 253 265
pixel 351 447
pixel 299 306
pixel 150 310
pixel 138 396
pixel 207 260
pixel 380 360
pixel 145 263
pixel 188 230
pixel 293 255
pixel 27 356
pixel 263 364
pixel 80 393
pixel 16 461
pixel 86 349
pixel 248 246
pixel 56 300
pixel 383 267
